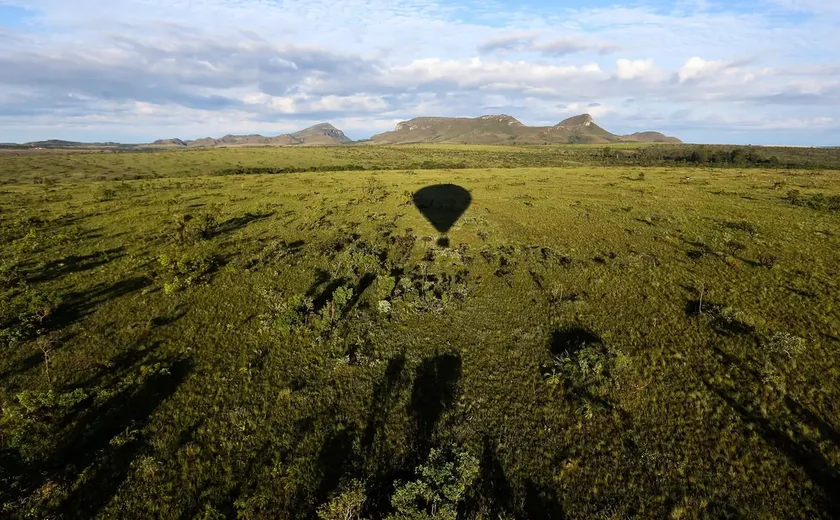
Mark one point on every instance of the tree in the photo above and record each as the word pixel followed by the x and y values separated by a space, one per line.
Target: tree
pixel 700 156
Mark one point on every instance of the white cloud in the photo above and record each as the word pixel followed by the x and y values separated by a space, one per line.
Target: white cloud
pixel 636 69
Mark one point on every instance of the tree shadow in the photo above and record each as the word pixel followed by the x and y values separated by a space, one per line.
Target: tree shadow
pixel 384 399
pixel 80 304
pixel 321 300
pixel 435 389
pixel 802 452
pixel 571 340
pixel 132 409
pixel 578 383
pixel 93 457
pixel 542 503
pixel 364 283
pixel 721 321
pixel 783 430
pixel 30 362
pixel 492 496
pixel 337 458
pixel 237 223
pixel 162 321
pixel 380 460
pixel 56 269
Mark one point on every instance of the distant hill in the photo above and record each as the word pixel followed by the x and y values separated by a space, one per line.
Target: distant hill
pixel 491 129
pixel 318 135
pixel 502 129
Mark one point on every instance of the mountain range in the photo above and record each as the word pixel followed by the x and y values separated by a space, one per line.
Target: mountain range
pixel 504 129
pixel 491 129
pixel 322 134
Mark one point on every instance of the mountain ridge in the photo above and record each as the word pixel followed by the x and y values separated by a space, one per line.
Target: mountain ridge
pixel 323 134
pixel 486 129
pixel 504 129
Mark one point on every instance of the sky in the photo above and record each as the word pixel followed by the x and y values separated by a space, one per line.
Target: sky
pixel 739 71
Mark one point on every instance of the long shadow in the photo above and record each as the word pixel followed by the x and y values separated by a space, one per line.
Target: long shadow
pixel 380 460
pixel 384 399
pixel 542 503
pixel 80 304
pixel 322 276
pixel 87 446
pixel 337 459
pixel 435 390
pixel 492 496
pixel 117 368
pixel 24 366
pixel 365 282
pixel 326 293
pixel 803 453
pixel 56 269
pixel 720 322
pixel 571 340
pixel 237 223
pixel 798 449
pixel 132 408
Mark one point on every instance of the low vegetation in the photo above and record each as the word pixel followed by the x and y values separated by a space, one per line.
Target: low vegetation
pixel 188 335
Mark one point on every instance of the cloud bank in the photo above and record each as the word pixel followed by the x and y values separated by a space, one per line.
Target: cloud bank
pixel 136 70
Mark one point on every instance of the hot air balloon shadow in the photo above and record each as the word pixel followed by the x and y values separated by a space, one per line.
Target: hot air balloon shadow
pixel 442 205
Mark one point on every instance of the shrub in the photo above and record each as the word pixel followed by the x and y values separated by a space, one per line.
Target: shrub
pixel 786 344
pixel 440 486
pixel 189 268
pixel 34 401
pixel 767 260
pixel 346 505
pixel 188 229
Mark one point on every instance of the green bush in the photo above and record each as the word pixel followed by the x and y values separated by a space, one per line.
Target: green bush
pixel 346 505
pixel 440 485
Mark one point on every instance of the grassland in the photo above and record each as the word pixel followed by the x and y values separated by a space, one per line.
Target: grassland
pixel 598 341
pixel 65 166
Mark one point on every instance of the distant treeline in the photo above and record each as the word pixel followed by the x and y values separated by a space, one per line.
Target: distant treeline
pixel 104 165
pixel 564 156
pixel 734 156
pixel 425 165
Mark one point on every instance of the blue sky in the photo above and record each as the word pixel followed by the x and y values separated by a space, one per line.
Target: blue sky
pixel 746 71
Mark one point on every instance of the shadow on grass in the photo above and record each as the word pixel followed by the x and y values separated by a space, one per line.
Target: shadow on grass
pixel 579 389
pixel 802 452
pixel 237 223
pixel 379 461
pixel 721 320
pixel 79 304
pixel 492 496
pixel 571 340
pixel 795 431
pixel 56 269
pixel 435 390
pixel 93 456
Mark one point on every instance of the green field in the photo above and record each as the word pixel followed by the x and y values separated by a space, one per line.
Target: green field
pixel 602 339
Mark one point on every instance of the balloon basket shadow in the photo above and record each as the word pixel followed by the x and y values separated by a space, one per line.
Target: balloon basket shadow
pixel 443 242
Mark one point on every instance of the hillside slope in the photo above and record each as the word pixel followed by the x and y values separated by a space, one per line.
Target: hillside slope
pixel 320 134
pixel 502 129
